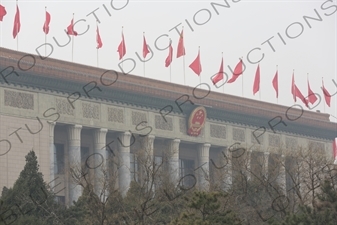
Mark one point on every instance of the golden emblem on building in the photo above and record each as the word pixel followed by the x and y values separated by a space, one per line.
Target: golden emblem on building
pixel 196 121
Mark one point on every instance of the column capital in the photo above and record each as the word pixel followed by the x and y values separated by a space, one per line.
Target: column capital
pixel 124 141
pixel 266 153
pixel 100 135
pixel 74 132
pixel 151 136
pixel 51 123
pixel 148 141
pixel 176 141
pixel 205 145
pixel 125 134
pixel 103 130
pixel 51 128
pixel 204 149
pixel 173 146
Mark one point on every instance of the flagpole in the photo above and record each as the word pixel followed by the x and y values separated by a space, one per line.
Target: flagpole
pixel 242 77
pixel 17 32
pixel 184 58
pixel 293 87
pixel 170 75
pixel 0 30
pixel 45 36
pixel 72 41
pixel 323 93
pixel 260 92
pixel 277 84
pixel 199 67
pixel 308 83
pixel 144 57
pixel 259 83
pixel 223 86
pixel 170 62
pixel 97 43
pixel 122 48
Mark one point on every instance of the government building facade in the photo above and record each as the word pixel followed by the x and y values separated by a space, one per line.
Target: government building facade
pixel 73 115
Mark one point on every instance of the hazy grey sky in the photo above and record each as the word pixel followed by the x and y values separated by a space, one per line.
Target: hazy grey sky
pixel 307 45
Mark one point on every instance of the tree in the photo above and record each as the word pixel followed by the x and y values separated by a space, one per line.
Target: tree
pixel 207 209
pixel 29 201
pixel 324 211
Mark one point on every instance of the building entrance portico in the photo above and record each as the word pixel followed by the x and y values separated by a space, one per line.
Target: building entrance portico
pixel 97 154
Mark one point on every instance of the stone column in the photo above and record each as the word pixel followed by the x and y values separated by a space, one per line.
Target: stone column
pixel 124 174
pixel 227 161
pixel 173 161
pixel 100 162
pixel 203 166
pixel 282 176
pixel 148 142
pixel 74 154
pixel 52 154
pixel 148 147
pixel 249 161
pixel 265 165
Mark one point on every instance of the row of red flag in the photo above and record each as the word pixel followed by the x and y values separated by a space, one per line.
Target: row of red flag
pixel 195 65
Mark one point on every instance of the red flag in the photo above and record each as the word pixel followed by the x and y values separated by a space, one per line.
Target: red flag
pixel 293 88
pixel 334 147
pixel 327 95
pixel 256 86
pixel 98 39
pixel 121 48
pixel 70 29
pixel 311 95
pixel 181 47
pixel 275 83
pixel 219 76
pixel 196 65
pixel 169 57
pixel 145 48
pixel 17 25
pixel 46 23
pixel 297 93
pixel 237 72
pixel 2 12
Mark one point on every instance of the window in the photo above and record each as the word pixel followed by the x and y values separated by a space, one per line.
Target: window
pixel 134 167
pixel 111 164
pixel 186 170
pixel 158 161
pixel 84 156
pixel 59 159
pixel 60 200
pixel 212 171
pixel 158 168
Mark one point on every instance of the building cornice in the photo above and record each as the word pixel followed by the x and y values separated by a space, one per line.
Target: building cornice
pixel 56 75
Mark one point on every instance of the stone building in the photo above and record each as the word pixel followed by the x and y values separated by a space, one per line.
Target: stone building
pixel 69 113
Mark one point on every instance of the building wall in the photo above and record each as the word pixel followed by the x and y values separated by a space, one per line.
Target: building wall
pixel 20 107
pixel 12 163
